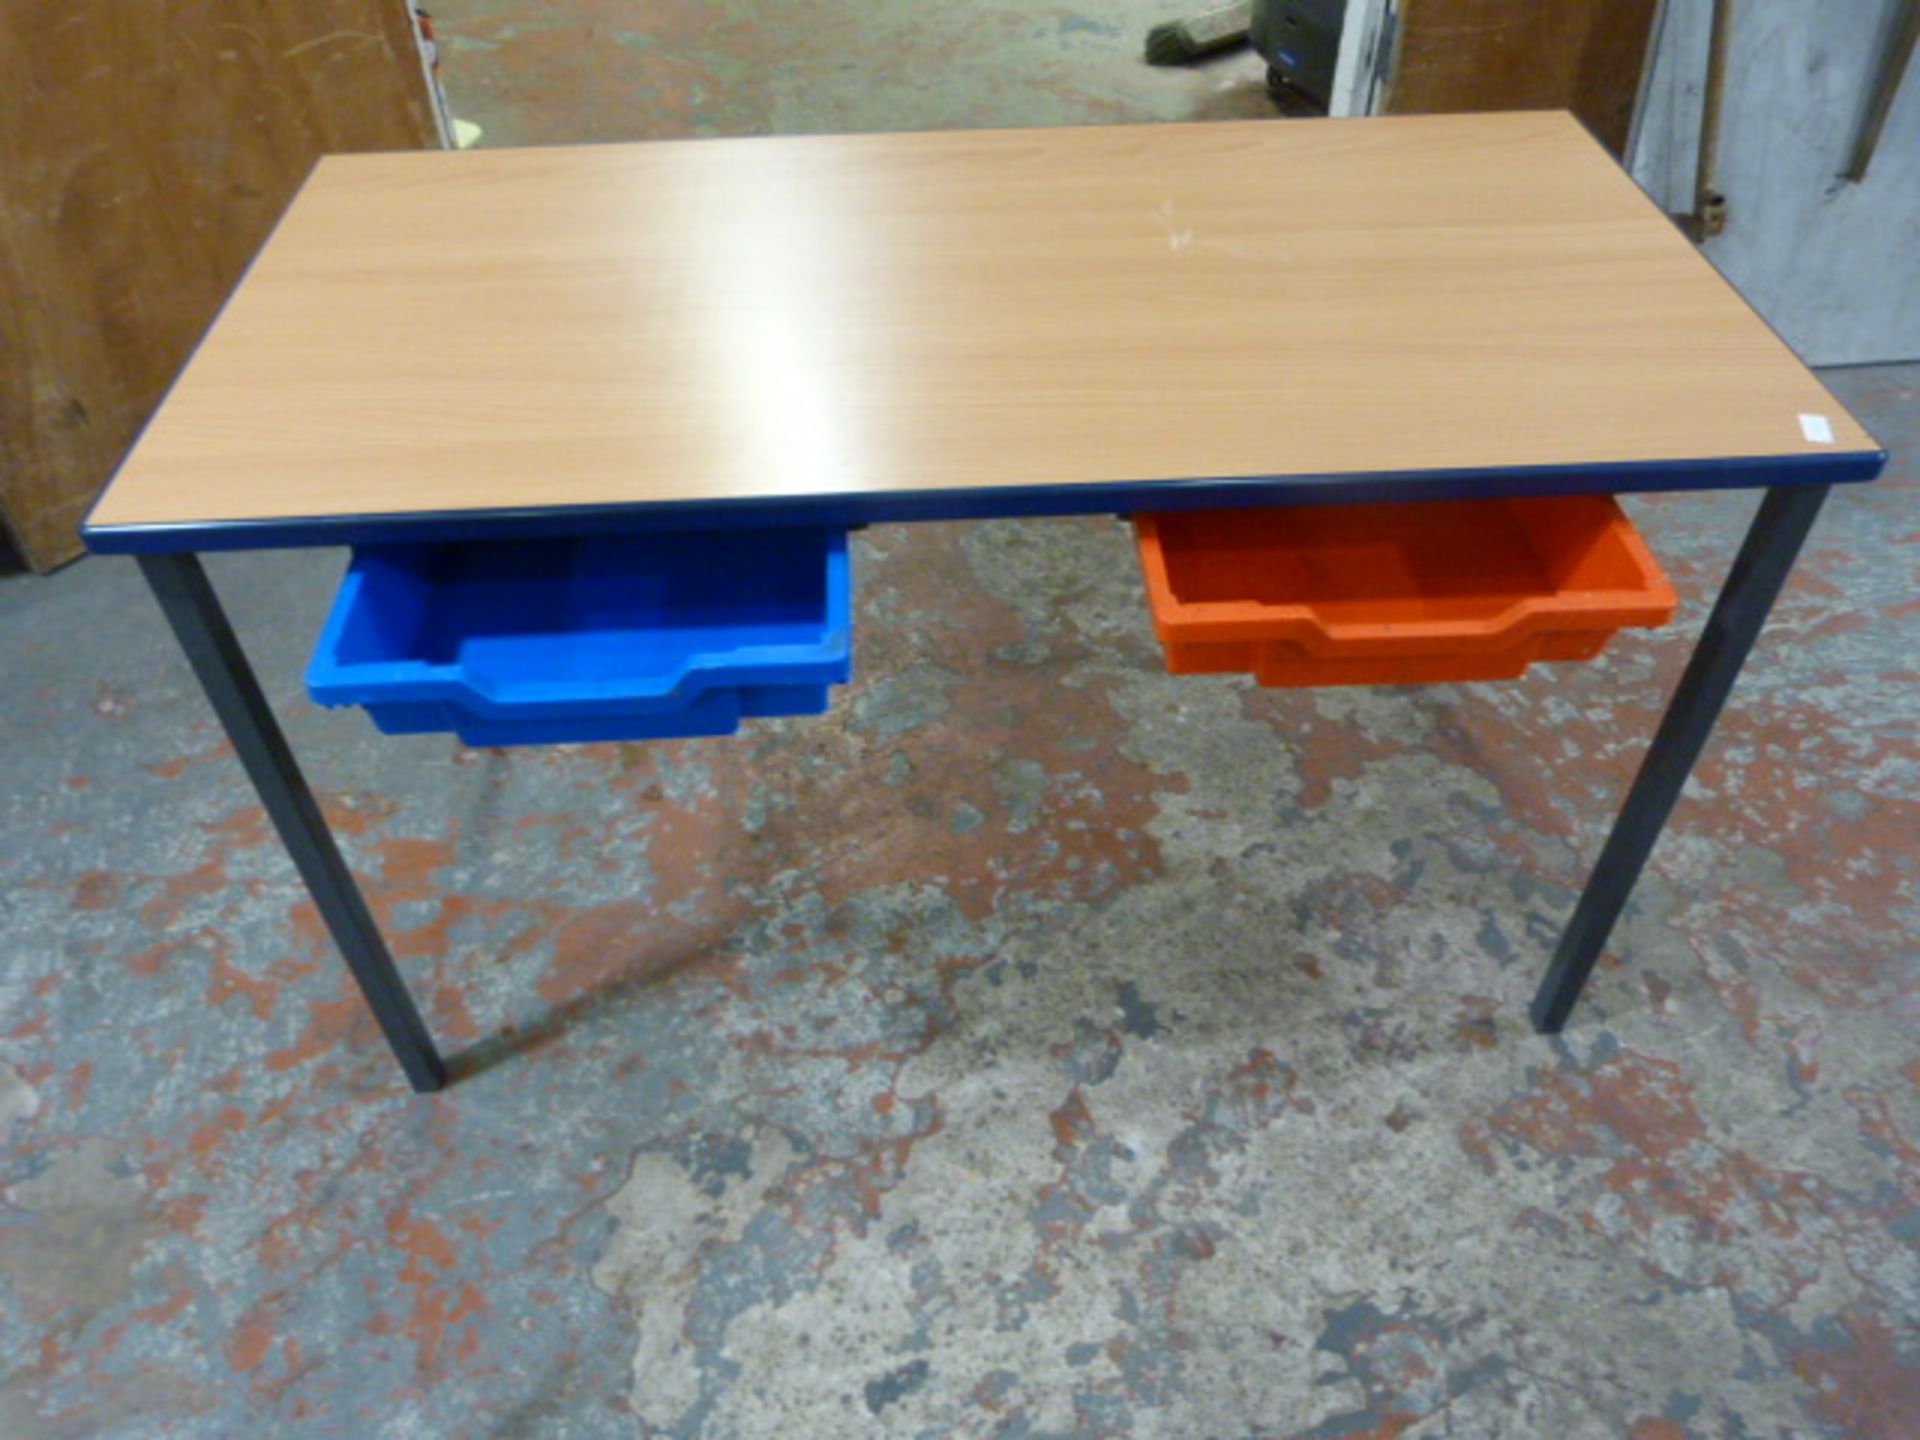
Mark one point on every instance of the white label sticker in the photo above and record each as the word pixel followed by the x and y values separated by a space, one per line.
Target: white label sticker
pixel 1817 428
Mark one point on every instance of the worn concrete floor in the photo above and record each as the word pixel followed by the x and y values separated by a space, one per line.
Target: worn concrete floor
pixel 541 73
pixel 1035 1046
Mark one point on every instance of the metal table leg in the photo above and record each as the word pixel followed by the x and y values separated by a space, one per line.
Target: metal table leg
pixel 1773 541
pixel 192 608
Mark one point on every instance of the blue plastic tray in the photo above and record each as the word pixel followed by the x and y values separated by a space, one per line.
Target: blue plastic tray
pixel 633 637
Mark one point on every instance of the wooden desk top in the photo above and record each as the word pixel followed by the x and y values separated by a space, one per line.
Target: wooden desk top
pixel 994 322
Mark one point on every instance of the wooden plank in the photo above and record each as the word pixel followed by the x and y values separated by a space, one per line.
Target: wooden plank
pixel 839 315
pixel 147 150
pixel 1478 55
pixel 1885 89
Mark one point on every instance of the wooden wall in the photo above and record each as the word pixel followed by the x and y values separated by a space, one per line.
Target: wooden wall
pixel 146 148
pixel 1579 55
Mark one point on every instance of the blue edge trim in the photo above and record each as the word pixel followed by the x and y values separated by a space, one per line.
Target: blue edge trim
pixel 1119 497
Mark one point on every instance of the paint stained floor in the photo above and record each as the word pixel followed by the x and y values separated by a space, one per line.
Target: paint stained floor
pixel 1035 1046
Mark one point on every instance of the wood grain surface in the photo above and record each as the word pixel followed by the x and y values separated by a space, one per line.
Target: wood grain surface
pixel 145 151
pixel 1584 55
pixel 767 318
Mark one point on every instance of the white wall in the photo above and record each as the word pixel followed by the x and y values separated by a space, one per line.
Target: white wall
pixel 1834 266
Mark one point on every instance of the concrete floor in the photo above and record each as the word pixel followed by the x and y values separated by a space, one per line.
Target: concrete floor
pixel 533 73
pixel 1035 1046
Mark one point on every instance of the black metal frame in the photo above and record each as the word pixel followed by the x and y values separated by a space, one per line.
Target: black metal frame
pixel 192 608
pixel 1003 502
pixel 1766 557
pixel 1773 541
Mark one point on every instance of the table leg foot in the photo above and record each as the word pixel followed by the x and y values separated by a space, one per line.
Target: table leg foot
pixel 193 610
pixel 1773 541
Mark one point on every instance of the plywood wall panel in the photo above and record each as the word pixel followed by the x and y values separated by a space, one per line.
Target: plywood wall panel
pixel 1472 55
pixel 145 152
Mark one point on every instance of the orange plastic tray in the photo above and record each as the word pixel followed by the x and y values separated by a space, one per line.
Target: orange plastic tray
pixel 1397 594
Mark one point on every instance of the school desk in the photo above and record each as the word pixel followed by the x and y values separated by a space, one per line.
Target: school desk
pixel 839 330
